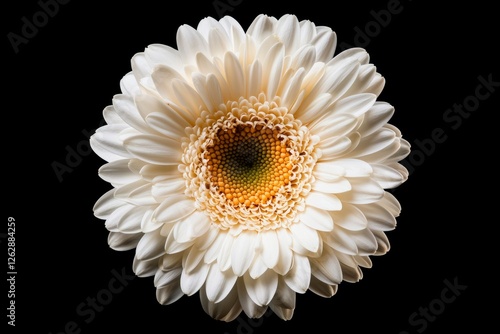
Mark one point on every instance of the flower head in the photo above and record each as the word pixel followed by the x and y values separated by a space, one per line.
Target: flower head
pixel 250 166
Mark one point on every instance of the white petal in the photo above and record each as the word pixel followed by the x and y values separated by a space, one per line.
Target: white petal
pixel 190 42
pixel 284 297
pixel 351 167
pixel 332 187
pixel 350 218
pixel 272 67
pixel 126 109
pixel 154 149
pixel 170 293
pixel 172 246
pixel 270 248
pixel 168 123
pixel 305 236
pixel 374 143
pixel 382 243
pixel 281 312
pixel 151 246
pixel 224 256
pixel 209 90
pixel 187 97
pixel 292 88
pixel 145 268
pixel 227 310
pixel 327 267
pixel 285 252
pixel 163 54
pixel 287 30
pixel 207 67
pixel 234 30
pixel 192 281
pixel 111 117
pixel 323 201
pixel 174 208
pixel 317 219
pixel 251 309
pixel 106 143
pixel 234 75
pixel 129 85
pixel 355 105
pixel 117 172
pixel 378 115
pixel 191 227
pixel 163 278
pixel 162 77
pixel 258 267
pixel 107 204
pixel 262 289
pixel 325 43
pixel 122 242
pixel 140 66
pixel 218 41
pixel 166 188
pixel 190 258
pixel 243 252
pixel 171 262
pixel 378 217
pixel 340 240
pixel 214 247
pixel 391 203
pixel 365 241
pixel 299 276
pixel 261 27
pixel 334 125
pixel 387 176
pixel 364 191
pixel 137 193
pixel 126 219
pixel 321 288
pixel 367 73
pixel 333 147
pixel 219 283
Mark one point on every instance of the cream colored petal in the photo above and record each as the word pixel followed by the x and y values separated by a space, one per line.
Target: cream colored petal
pixel 151 246
pixel 170 293
pixel 164 278
pixel 317 219
pixel 227 310
pixel 192 281
pixel 219 283
pixel 123 242
pixel 262 289
pixel 351 217
pixel 299 276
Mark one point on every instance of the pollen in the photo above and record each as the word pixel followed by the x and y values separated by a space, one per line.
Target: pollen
pixel 249 164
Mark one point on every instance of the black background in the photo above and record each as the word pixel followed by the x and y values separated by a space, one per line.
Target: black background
pixel 431 56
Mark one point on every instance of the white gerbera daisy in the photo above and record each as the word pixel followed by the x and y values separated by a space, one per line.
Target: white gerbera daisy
pixel 250 166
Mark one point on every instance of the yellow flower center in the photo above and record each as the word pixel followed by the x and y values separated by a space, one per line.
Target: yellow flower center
pixel 248 165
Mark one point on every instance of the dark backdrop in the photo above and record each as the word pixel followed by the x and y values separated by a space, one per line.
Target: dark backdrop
pixel 440 63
